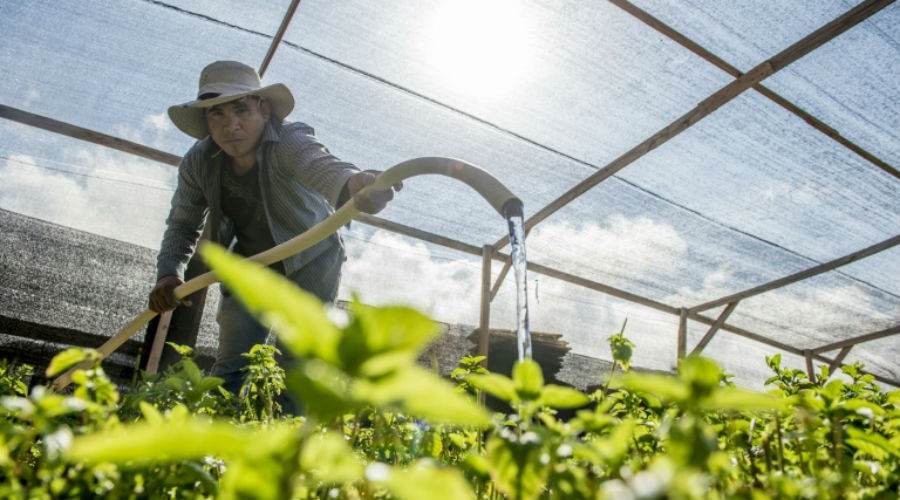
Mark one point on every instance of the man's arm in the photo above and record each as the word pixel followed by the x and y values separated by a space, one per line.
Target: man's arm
pixel 312 163
pixel 183 228
pixel 336 180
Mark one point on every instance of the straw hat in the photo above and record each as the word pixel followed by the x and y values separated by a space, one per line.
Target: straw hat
pixel 224 81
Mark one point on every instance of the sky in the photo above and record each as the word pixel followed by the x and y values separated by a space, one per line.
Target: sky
pixel 540 94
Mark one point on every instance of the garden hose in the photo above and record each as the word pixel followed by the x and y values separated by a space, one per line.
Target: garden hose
pixel 481 181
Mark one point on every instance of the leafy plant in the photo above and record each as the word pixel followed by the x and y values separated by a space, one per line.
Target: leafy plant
pixel 378 426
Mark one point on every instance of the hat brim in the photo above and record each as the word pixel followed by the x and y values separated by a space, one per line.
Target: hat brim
pixel 190 117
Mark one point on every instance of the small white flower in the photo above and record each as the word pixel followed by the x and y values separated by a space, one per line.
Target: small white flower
pixel 646 484
pixel 530 438
pixel 378 472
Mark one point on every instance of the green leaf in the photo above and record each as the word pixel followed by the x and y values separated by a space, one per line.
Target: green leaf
pixel 209 383
pixel 732 398
pixel 192 371
pixel 856 404
pixel 870 441
pixel 425 480
pixel 184 351
pixel 69 358
pixel 664 387
pixel 394 328
pixel 151 414
pixel 494 384
pixel 329 458
pixel 297 316
pixel 700 373
pixel 557 396
pixel 191 438
pixel 422 394
pixel 528 379
pixel 516 468
pixel 833 390
pixel 257 480
pixel 325 390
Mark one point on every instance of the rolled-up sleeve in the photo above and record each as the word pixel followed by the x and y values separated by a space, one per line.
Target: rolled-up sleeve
pixel 311 163
pixel 184 223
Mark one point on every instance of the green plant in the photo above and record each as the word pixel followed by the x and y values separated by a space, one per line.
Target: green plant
pixel 377 426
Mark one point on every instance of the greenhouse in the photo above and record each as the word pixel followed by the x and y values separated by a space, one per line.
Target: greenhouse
pixel 698 178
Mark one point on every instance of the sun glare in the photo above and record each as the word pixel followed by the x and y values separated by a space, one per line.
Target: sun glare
pixel 480 47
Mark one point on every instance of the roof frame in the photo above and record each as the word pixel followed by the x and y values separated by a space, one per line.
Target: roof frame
pixel 698 50
pixel 716 100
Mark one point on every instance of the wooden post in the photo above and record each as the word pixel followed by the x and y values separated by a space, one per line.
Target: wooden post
pixel 159 341
pixel 278 36
pixel 682 332
pixel 484 323
pixel 185 320
pixel 810 371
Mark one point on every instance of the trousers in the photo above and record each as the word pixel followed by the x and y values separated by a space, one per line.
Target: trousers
pixel 239 330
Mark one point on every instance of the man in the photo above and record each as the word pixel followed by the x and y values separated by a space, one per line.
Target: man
pixel 257 181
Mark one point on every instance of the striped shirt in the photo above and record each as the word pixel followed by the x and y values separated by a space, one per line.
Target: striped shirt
pixel 300 182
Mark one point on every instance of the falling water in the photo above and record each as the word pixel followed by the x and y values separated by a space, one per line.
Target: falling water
pixel 516 223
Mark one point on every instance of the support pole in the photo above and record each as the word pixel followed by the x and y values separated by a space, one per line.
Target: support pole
pixel 715 327
pixel 278 36
pixel 810 372
pixel 159 341
pixel 887 332
pixel 838 359
pixel 484 324
pixel 503 272
pixel 682 332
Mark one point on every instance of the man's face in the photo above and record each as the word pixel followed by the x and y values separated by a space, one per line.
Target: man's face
pixel 237 127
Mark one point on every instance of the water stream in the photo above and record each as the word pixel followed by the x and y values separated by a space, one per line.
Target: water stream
pixel 515 219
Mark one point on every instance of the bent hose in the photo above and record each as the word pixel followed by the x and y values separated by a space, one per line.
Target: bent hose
pixel 481 181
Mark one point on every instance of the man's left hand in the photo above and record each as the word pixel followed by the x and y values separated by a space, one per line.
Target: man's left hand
pixel 372 201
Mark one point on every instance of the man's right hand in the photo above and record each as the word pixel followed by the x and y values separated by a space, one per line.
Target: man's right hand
pixel 162 297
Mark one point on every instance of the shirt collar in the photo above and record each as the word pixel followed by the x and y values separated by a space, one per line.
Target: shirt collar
pixel 270 133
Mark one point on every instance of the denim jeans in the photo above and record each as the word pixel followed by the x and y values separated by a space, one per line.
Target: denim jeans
pixel 239 330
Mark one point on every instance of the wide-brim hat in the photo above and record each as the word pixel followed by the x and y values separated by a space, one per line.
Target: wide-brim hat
pixel 224 81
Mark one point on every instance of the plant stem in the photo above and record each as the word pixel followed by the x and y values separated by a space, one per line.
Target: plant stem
pixel 780 444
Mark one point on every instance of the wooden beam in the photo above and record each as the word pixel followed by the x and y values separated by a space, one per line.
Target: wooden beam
pixel 278 36
pixel 707 106
pixel 484 323
pixel 84 134
pixel 600 287
pixel 810 371
pixel 715 327
pixel 419 234
pixel 838 359
pixel 887 332
pixel 807 273
pixel 682 332
pixel 698 50
pixel 719 98
pixel 503 272
pixel 159 341
pixel 531 266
